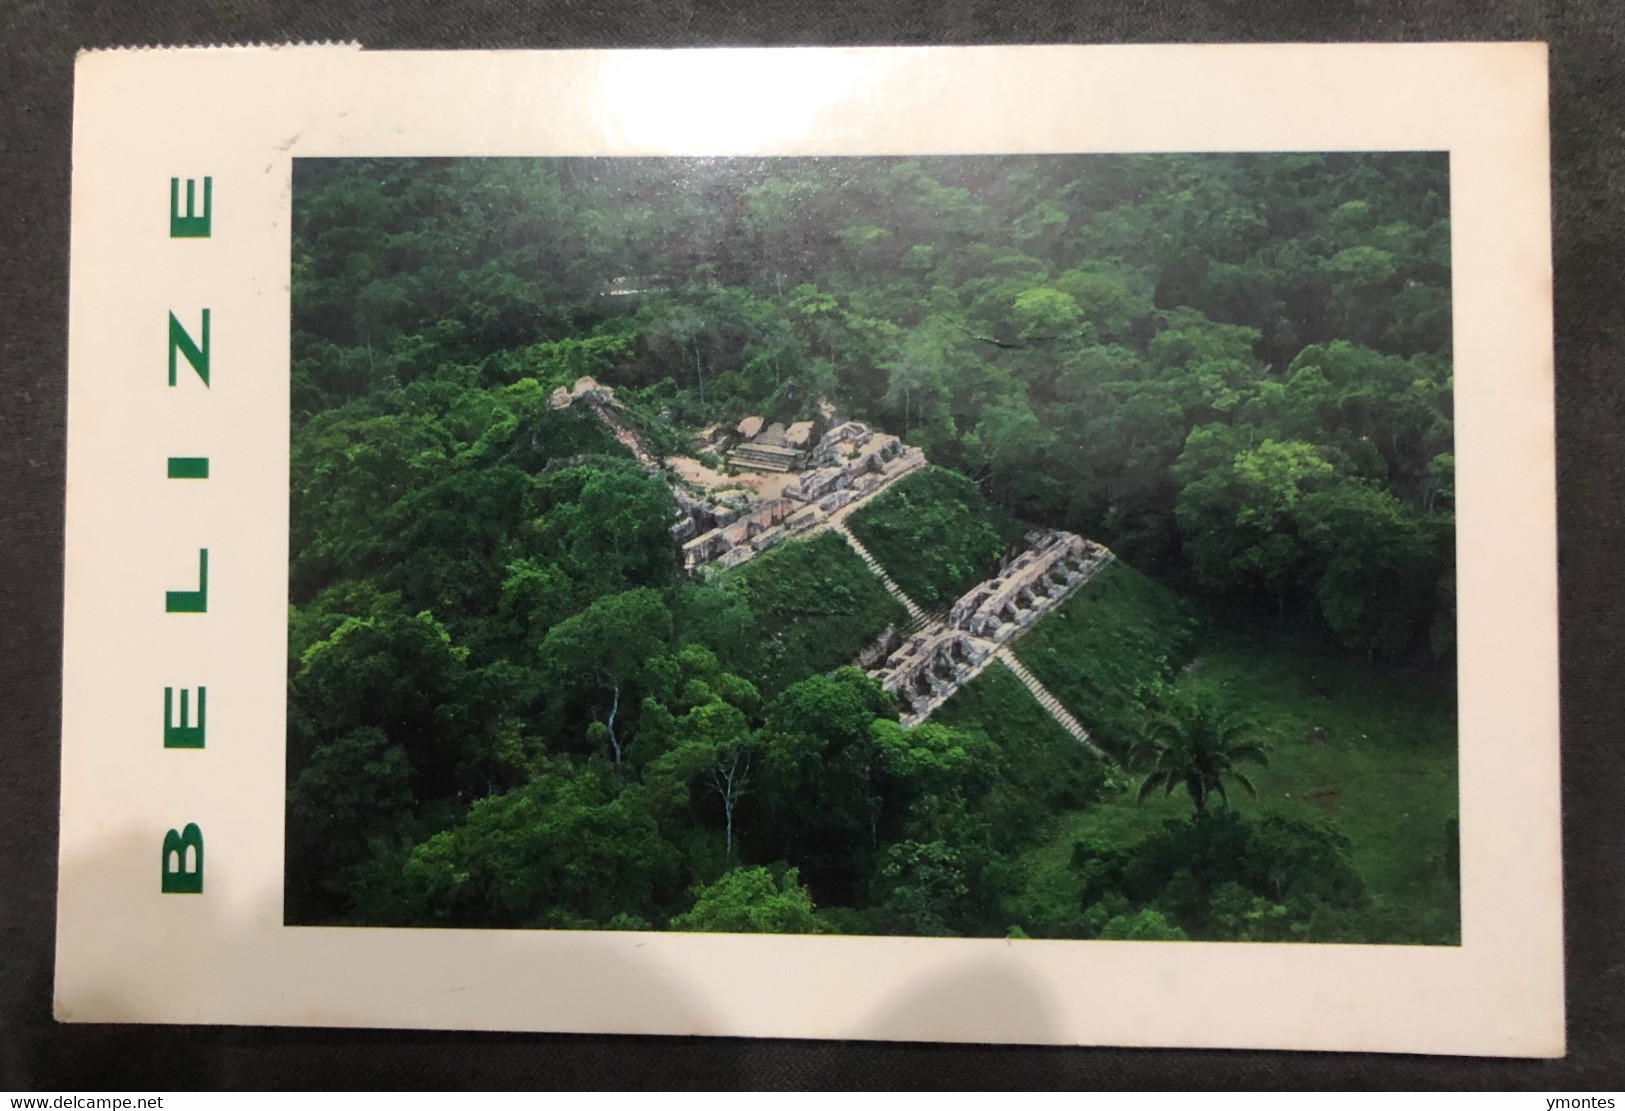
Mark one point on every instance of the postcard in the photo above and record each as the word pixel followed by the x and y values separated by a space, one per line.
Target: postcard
pixel 1008 544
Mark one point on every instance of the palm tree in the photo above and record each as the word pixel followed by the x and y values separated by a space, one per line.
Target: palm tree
pixel 1197 741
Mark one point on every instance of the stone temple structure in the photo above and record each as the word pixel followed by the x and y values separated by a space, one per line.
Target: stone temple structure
pixel 1028 586
pixel 928 667
pixel 852 463
pixel 929 658
pixel 771 447
pixel 766 449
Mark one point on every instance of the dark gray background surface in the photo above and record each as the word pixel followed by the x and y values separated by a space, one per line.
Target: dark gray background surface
pixel 38 40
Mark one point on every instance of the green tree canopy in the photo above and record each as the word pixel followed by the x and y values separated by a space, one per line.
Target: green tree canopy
pixel 751 901
pixel 602 654
pixel 565 849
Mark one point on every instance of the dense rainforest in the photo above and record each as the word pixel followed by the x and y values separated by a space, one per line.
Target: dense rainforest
pixel 510 706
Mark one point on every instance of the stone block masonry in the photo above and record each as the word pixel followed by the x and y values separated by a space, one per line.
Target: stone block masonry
pixel 852 464
pixel 601 399
pixel 1029 586
pixel 940 657
pixel 855 464
pixel 937 654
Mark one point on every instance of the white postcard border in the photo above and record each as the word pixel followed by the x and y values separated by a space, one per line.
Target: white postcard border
pixel 126 952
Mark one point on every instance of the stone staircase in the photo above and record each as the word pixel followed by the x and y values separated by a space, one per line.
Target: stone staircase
pixel 629 437
pixel 1060 713
pixel 916 624
pixel 920 619
pixel 917 617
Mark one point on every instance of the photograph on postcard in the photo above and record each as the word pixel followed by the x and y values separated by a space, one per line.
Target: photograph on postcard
pixel 991 546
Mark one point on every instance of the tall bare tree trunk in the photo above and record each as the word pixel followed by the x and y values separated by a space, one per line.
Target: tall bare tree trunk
pixel 614 741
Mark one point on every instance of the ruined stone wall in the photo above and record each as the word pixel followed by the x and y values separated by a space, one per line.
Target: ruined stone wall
pixel 808 503
pixel 879 648
pixel 830 444
pixel 1028 586
pixel 927 668
pixel 768 525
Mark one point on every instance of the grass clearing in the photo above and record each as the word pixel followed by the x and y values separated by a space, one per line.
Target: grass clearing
pixel 1373 751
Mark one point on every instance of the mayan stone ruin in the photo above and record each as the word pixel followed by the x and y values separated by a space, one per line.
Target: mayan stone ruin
pixel 930 658
pixel 850 464
pixel 934 662
pixel 601 400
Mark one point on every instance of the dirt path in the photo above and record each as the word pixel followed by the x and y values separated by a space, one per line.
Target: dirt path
pixel 764 486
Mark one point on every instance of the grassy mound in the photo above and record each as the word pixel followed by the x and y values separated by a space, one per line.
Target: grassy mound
pixel 1110 651
pixel 935 534
pixel 1042 770
pixel 815 606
